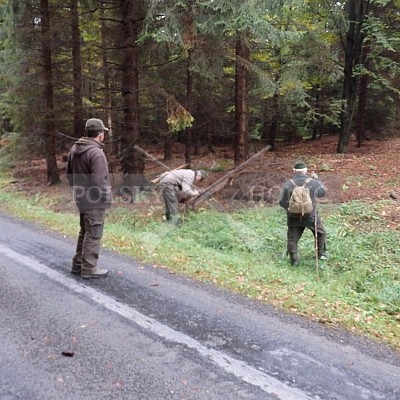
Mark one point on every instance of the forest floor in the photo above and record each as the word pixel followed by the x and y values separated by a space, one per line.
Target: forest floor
pixel 370 172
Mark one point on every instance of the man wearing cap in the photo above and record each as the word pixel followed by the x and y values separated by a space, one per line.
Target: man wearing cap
pixel 178 185
pixel 87 173
pixel 297 223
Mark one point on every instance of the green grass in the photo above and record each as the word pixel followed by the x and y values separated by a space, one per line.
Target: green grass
pixel 358 288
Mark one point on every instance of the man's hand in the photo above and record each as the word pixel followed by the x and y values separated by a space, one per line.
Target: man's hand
pixel 314 175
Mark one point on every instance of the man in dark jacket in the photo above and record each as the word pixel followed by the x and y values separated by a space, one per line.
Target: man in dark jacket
pixel 87 173
pixel 297 223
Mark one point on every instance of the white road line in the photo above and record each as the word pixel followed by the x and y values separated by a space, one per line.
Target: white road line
pixel 238 368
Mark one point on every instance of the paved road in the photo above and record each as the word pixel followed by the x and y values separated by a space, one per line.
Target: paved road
pixel 143 333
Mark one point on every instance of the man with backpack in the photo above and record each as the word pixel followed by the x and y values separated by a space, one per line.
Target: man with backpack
pixel 298 198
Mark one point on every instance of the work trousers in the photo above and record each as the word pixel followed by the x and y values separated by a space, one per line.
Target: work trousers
pixel 89 239
pixel 296 228
pixel 170 196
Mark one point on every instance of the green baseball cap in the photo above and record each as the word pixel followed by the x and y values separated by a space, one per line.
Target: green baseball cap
pixel 299 165
pixel 95 124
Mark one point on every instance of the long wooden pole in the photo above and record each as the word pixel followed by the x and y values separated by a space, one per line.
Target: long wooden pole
pixel 157 161
pixel 220 183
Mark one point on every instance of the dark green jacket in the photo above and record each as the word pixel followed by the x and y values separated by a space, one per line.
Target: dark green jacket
pixel 87 173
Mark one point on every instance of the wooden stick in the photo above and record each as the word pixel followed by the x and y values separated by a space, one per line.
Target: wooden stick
pixel 148 155
pixel 316 241
pixel 158 178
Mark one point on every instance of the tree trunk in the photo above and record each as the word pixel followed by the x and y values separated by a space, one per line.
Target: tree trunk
pixel 318 130
pixel 362 105
pixel 273 129
pixel 357 10
pixel 106 78
pixel 362 100
pixel 349 101
pixel 167 147
pixel 132 161
pixel 241 145
pixel 189 95
pixel 50 136
pixel 78 124
pixel 210 144
pixel 321 120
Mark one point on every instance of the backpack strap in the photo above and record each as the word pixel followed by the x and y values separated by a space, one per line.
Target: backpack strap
pixel 303 185
pixel 307 180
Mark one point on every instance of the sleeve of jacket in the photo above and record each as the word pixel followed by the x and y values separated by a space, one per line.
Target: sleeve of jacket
pixel 319 189
pixel 187 182
pixel 285 195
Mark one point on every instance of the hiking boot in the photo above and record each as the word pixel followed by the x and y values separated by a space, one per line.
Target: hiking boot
pixel 94 273
pixel 324 256
pixel 294 260
pixel 176 220
pixel 76 269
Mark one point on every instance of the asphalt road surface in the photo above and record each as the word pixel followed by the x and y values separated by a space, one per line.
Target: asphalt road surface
pixel 143 333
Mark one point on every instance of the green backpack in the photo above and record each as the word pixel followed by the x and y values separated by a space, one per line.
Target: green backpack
pixel 300 202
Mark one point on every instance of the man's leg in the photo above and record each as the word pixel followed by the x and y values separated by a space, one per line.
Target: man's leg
pixel 94 223
pixel 77 259
pixel 171 203
pixel 293 236
pixel 321 240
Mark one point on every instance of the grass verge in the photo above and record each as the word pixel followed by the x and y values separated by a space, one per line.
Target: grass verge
pixel 358 288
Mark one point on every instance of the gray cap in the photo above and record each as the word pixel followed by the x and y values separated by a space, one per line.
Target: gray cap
pixel 95 124
pixel 202 173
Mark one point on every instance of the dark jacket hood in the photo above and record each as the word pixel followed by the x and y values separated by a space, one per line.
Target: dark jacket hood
pixel 85 144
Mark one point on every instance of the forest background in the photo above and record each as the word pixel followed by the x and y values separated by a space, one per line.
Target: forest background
pixel 207 84
pixel 196 72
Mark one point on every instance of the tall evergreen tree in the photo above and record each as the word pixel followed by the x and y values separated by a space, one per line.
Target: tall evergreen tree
pixel 132 161
pixel 48 95
pixel 241 147
pixel 357 10
pixel 78 115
